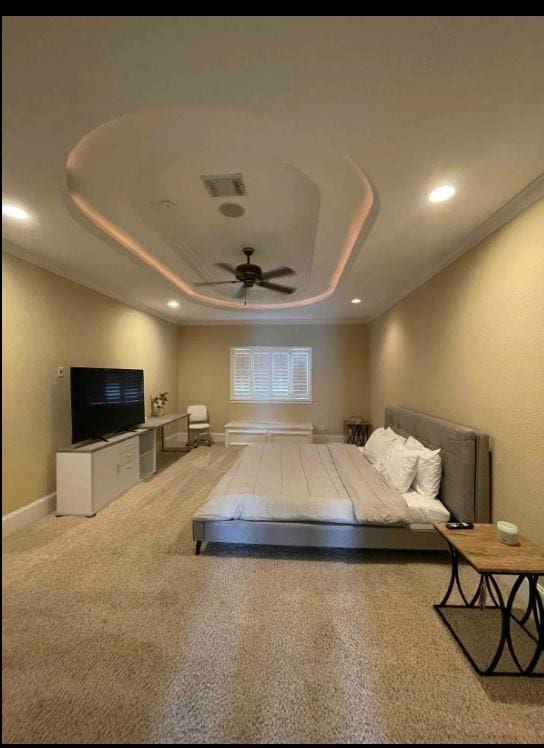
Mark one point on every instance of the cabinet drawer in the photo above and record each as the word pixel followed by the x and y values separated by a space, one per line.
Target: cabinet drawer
pixel 125 450
pixel 128 475
pixel 114 471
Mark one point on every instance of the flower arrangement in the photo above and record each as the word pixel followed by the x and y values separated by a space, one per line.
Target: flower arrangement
pixel 158 404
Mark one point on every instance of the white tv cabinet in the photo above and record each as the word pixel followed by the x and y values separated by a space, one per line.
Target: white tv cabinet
pixel 92 475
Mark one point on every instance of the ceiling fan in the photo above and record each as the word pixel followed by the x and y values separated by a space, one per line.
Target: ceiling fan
pixel 250 275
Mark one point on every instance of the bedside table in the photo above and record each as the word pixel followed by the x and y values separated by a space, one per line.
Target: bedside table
pixel 357 433
pixel 481 548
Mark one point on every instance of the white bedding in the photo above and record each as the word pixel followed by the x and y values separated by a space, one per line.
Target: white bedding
pixel 297 484
pixel 424 510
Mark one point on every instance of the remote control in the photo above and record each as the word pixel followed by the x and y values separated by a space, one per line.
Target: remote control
pixel 459 525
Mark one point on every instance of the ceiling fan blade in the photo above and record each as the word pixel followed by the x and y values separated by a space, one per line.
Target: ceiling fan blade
pixel 226 266
pixel 278 273
pixel 214 283
pixel 276 287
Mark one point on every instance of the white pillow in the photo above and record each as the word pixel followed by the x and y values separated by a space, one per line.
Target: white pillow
pixel 397 437
pixel 378 443
pixel 429 469
pixel 399 466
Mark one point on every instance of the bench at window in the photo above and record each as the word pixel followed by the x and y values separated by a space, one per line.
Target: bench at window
pixel 242 433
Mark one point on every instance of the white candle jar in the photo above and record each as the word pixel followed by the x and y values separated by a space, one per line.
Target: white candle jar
pixel 507 533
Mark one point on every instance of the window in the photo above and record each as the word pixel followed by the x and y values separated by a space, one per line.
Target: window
pixel 271 374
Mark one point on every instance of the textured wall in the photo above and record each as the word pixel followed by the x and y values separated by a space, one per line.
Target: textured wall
pixel 48 322
pixel 468 346
pixel 340 376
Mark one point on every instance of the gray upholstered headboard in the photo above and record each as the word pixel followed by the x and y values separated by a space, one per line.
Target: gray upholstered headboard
pixel 465 486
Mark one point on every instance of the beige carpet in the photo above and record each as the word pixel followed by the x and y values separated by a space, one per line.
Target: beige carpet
pixel 115 632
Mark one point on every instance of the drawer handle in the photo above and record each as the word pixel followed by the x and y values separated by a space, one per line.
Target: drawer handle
pixel 126 466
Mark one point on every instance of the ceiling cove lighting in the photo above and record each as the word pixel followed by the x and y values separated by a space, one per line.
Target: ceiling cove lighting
pixel 173 304
pixel 13 211
pixel 442 193
pixel 356 301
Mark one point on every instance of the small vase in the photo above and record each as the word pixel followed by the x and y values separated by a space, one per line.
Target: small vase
pixel 158 410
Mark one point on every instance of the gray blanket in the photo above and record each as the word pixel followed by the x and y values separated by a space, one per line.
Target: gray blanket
pixel 304 482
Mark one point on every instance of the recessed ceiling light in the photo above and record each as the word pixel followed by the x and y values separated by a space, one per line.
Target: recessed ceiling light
pixel 13 211
pixel 173 304
pixel 444 192
pixel 356 301
pixel 232 210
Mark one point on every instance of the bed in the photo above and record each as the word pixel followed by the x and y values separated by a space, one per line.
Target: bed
pixel 334 499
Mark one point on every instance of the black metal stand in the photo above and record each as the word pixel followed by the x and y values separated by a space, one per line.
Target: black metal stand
pixel 357 433
pixel 488 586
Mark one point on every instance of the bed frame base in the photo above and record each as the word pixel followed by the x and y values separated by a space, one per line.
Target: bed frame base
pixel 316 535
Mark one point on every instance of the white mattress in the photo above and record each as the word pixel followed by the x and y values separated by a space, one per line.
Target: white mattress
pixel 425 511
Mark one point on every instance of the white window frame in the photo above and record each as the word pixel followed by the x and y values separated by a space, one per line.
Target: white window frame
pixel 291 399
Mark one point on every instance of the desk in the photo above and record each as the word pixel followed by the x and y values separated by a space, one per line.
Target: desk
pixel 159 422
pixel 488 556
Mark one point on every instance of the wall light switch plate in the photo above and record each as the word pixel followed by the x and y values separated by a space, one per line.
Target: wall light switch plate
pixel 60 372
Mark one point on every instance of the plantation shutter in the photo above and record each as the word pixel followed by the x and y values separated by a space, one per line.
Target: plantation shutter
pixel 261 375
pixel 300 374
pixel 266 374
pixel 280 374
pixel 241 385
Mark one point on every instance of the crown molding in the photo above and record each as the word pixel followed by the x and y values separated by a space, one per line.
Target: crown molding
pixel 9 247
pixel 27 255
pixel 520 202
pixel 516 205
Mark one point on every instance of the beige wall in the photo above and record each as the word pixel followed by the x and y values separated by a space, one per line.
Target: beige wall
pixel 468 346
pixel 340 380
pixel 48 322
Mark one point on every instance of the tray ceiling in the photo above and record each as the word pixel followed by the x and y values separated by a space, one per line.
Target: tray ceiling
pixel 139 179
pixel 341 126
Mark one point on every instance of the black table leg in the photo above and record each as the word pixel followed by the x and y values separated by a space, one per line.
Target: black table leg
pixel 455 582
pixel 489 586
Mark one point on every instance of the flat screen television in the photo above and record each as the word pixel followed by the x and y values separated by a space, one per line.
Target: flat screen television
pixel 105 401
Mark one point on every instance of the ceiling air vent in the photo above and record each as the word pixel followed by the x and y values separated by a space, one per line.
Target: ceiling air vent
pixel 224 185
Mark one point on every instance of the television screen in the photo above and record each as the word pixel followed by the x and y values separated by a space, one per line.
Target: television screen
pixel 105 401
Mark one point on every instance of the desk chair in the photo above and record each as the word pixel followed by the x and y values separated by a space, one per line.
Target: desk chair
pixel 199 425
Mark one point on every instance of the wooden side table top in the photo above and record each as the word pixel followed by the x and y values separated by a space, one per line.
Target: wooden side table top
pixel 488 555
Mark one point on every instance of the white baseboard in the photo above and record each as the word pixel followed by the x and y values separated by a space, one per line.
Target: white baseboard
pixel 219 438
pixel 26 514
